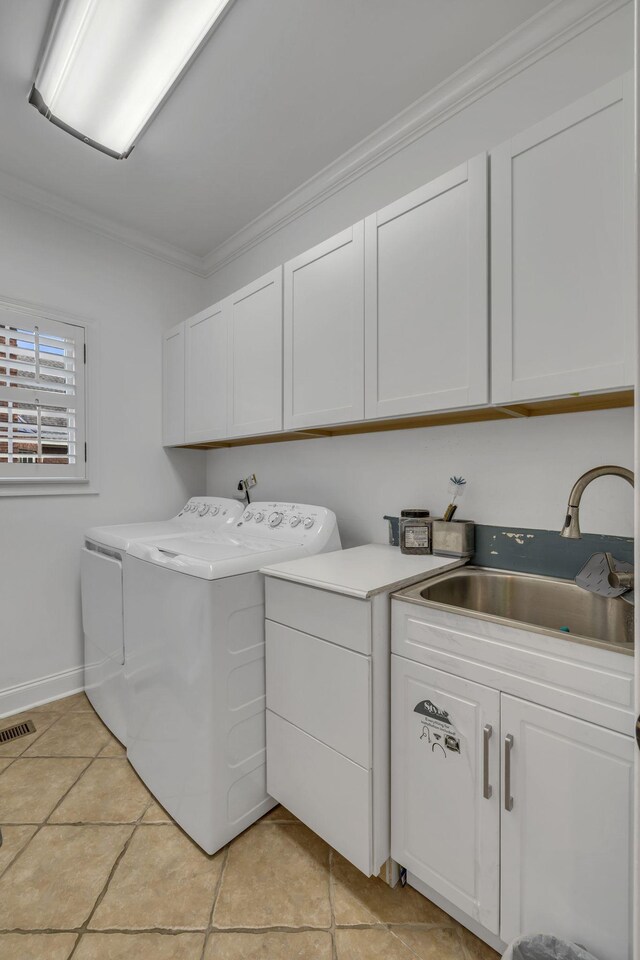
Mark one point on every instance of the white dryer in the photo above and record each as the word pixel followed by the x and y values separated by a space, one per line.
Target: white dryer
pixel 101 571
pixel 194 629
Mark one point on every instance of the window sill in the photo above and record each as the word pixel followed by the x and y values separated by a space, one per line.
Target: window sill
pixel 46 488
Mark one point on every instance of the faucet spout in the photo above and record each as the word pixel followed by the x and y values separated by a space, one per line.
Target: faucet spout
pixel 571 527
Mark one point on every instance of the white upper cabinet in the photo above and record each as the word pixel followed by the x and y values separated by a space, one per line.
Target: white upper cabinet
pixel 254 325
pixel 562 252
pixel 426 293
pixel 206 376
pixel 324 332
pixel 173 386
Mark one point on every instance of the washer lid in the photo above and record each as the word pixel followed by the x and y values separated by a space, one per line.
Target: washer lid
pixel 212 560
pixel 199 513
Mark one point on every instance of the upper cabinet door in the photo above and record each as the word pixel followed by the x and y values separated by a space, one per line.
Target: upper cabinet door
pixel 206 376
pixel 562 252
pixel 426 321
pixel 324 332
pixel 173 386
pixel 254 319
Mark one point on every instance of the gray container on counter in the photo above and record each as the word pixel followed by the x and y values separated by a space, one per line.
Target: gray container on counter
pixel 453 538
pixel 415 531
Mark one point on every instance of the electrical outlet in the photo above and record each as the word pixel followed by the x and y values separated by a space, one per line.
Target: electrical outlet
pixel 250 481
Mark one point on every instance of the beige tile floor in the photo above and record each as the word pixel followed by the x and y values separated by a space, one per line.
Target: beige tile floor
pixel 92 868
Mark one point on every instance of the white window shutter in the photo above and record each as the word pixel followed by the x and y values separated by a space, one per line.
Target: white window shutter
pixel 42 399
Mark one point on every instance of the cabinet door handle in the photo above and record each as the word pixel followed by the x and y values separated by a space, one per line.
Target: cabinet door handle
pixel 508 746
pixel 486 786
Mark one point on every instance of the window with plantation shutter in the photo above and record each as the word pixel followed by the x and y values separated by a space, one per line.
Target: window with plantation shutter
pixel 42 399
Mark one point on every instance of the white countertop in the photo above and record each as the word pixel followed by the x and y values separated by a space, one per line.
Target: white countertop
pixel 362 571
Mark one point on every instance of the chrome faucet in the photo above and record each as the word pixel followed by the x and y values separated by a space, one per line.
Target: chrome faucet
pixel 602 573
pixel 571 528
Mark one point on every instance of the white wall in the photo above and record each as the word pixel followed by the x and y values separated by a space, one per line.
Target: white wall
pixel 131 298
pixel 519 472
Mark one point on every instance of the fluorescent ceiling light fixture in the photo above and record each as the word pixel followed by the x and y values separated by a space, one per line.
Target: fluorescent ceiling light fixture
pixel 107 66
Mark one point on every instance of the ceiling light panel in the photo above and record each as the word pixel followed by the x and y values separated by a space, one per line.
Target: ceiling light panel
pixel 108 65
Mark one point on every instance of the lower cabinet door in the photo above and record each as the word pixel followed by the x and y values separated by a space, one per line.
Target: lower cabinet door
pixel 324 789
pixel 566 829
pixel 445 798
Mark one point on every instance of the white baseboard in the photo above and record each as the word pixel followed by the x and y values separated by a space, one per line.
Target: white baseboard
pixel 24 696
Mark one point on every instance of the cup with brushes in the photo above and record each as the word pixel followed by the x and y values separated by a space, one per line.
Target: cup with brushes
pixel 457 487
pixel 454 538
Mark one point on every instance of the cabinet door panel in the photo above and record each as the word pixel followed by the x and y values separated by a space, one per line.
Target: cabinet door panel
pixel 328 792
pixel 173 386
pixel 206 376
pixel 562 252
pixel 426 334
pixel 323 689
pixel 254 324
pixel 567 841
pixel 324 332
pixel 443 827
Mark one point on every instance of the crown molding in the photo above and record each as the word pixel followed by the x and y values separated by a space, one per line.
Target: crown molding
pixel 19 190
pixel 535 39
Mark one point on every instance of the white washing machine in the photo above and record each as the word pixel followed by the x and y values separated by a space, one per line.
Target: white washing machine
pixel 194 629
pixel 101 571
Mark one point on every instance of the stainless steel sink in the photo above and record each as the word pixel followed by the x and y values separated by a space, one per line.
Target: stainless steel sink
pixel 543 604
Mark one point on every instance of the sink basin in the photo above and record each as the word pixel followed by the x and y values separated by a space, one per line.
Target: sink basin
pixel 542 604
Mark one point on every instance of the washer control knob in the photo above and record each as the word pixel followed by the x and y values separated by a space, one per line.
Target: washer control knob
pixel 308 522
pixel 275 519
pixel 214 511
pixel 192 507
pixel 204 510
pixel 294 521
pixel 259 517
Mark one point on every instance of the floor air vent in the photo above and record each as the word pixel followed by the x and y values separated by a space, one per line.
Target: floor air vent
pixel 17 730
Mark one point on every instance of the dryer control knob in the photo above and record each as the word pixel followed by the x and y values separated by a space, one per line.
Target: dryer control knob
pixel 204 509
pixel 248 515
pixel 259 517
pixel 294 521
pixel 308 522
pixel 275 519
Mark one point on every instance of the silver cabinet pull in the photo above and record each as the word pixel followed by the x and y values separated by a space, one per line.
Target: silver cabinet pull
pixel 508 746
pixel 486 786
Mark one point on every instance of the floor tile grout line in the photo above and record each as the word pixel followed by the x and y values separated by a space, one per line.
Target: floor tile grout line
pixel 39 737
pixel 334 945
pixel 400 940
pixel 216 894
pixel 168 931
pixel 20 755
pixel 466 952
pixel 44 822
pixel 67 792
pixel 83 928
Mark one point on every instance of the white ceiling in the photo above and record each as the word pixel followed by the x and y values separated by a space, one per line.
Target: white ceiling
pixel 282 89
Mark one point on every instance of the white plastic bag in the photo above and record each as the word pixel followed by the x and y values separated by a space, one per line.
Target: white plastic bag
pixel 544 946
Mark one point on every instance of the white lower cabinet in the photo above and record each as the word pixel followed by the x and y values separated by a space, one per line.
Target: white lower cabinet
pixel 518 815
pixel 445 785
pixel 566 847
pixel 327 681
